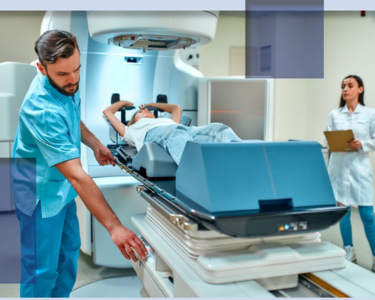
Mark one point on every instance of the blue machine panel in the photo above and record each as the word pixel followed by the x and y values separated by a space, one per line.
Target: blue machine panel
pixel 246 176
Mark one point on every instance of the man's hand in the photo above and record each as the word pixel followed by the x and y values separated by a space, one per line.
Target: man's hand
pixel 128 242
pixel 104 156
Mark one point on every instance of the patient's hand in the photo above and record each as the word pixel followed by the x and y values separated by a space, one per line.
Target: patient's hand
pixel 104 156
pixel 143 106
pixel 126 103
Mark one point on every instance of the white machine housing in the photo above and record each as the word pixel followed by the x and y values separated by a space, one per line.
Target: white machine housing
pixel 15 79
pixel 159 30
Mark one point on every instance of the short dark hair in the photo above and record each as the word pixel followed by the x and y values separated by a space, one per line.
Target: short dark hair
pixel 54 44
pixel 361 97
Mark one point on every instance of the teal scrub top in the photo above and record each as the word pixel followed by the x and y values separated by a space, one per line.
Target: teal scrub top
pixel 48 133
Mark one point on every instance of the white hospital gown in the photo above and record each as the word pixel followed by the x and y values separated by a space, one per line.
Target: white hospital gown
pixel 350 172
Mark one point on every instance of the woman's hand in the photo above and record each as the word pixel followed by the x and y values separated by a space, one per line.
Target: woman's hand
pixel 113 108
pixel 356 144
pixel 125 103
pixel 173 109
pixel 144 105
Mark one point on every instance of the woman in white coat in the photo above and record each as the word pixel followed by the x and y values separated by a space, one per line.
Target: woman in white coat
pixel 350 172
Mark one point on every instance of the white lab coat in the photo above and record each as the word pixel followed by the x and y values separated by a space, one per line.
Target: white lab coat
pixel 350 172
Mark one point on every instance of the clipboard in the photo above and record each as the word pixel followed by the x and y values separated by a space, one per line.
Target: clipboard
pixel 338 140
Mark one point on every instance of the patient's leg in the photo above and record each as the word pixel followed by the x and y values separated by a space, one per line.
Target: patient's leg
pixel 214 132
pixel 172 138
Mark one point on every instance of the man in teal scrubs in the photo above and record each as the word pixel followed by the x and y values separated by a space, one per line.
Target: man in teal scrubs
pixel 47 174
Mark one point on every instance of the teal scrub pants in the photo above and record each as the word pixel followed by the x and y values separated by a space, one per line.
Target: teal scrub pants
pixel 367 216
pixel 49 252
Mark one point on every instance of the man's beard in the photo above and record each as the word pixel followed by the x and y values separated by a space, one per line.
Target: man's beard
pixel 61 89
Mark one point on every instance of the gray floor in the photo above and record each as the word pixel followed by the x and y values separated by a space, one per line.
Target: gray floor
pixel 89 273
pixel 116 287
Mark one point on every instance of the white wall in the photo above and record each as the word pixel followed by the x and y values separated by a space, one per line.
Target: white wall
pixel 302 105
pixel 290 103
pixel 289 109
pixel 214 57
pixel 18 33
pixel 349 48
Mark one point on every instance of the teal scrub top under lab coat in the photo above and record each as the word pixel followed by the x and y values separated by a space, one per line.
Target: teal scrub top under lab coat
pixel 49 131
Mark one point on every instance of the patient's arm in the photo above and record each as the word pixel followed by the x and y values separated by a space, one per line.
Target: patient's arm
pixel 109 113
pixel 173 109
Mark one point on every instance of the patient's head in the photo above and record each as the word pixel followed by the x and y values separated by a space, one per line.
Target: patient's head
pixel 142 113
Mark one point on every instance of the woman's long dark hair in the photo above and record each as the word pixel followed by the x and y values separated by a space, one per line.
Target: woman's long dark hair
pixel 361 97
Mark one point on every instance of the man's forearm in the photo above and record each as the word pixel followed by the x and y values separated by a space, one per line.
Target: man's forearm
pixel 95 202
pixel 88 138
pixel 89 192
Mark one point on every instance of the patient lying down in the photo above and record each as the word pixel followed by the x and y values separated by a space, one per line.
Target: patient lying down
pixel 168 133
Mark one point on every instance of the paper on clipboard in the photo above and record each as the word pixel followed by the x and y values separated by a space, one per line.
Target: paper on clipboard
pixel 338 140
